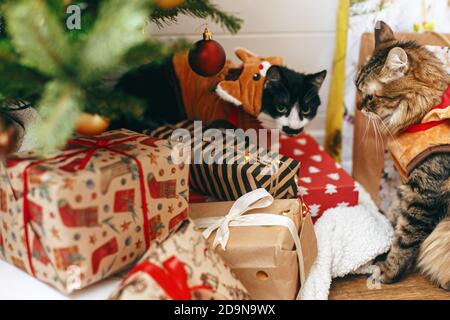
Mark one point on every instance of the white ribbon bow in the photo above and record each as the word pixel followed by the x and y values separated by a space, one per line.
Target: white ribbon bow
pixel 256 199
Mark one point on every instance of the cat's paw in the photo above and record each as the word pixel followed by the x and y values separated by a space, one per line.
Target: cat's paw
pixel 445 286
pixel 388 273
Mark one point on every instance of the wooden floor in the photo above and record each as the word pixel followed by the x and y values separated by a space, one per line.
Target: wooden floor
pixel 414 287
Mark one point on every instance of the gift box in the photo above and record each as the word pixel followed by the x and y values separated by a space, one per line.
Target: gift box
pixel 269 244
pixel 181 268
pixel 323 184
pixel 90 210
pixel 229 167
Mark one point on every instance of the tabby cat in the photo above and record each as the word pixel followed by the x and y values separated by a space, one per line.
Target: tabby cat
pixel 398 86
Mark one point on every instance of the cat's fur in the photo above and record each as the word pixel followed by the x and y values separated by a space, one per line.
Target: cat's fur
pixel 401 83
pixel 297 93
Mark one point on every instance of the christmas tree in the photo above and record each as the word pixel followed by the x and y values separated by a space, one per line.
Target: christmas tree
pixel 56 54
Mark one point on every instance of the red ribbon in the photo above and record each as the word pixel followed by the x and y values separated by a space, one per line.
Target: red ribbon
pixel 233 116
pixel 172 278
pixel 92 147
pixel 428 125
pixel 424 126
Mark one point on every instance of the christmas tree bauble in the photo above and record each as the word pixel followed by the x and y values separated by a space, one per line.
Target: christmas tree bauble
pixel 91 124
pixel 207 57
pixel 168 4
pixel 8 136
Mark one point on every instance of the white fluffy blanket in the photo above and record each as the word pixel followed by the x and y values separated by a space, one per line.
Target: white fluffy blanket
pixel 348 240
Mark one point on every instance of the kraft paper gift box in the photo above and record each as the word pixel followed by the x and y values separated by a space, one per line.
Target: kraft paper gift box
pixel 323 184
pixel 90 210
pixel 181 268
pixel 259 245
pixel 230 177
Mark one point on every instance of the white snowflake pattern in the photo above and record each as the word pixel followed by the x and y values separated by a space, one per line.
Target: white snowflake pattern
pixel 343 205
pixel 334 176
pixel 306 179
pixel 314 209
pixel 313 170
pixel 357 187
pixel 298 152
pixel 301 141
pixel 317 158
pixel 330 189
pixel 302 191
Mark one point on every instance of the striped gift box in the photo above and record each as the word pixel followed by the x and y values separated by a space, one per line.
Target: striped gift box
pixel 234 174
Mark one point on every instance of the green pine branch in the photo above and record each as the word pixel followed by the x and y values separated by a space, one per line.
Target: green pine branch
pixel 38 37
pixel 118 28
pixel 154 51
pixel 202 9
pixel 59 108
pixel 61 72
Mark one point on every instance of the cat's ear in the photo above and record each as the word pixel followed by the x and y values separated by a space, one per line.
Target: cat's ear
pixel 273 74
pixel 396 65
pixel 317 79
pixel 383 33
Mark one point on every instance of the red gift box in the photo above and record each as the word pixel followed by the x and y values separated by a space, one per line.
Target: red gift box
pixel 323 183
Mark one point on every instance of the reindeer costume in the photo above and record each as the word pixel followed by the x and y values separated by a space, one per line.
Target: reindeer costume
pixel 222 96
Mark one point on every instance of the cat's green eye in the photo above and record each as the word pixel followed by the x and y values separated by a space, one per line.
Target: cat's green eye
pixel 306 109
pixel 282 109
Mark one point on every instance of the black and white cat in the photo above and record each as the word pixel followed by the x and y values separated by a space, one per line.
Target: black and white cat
pixel 290 99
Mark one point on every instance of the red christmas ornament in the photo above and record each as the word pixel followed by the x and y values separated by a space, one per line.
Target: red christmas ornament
pixel 207 57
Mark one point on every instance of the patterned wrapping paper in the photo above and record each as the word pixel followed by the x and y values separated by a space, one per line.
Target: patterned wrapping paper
pixel 91 210
pixel 181 268
pixel 229 178
pixel 323 183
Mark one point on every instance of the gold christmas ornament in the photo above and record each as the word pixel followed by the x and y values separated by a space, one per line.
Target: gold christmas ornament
pixel 8 137
pixel 91 124
pixel 168 4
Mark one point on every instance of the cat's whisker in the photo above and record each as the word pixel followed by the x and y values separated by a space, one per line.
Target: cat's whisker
pixel 386 128
pixel 376 135
pixel 372 122
pixel 364 137
pixel 380 135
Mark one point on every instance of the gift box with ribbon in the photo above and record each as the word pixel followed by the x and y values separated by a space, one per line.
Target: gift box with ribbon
pixel 90 210
pixel 181 268
pixel 226 165
pixel 323 183
pixel 269 244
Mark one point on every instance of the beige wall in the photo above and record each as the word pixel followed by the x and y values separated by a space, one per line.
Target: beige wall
pixel 302 31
